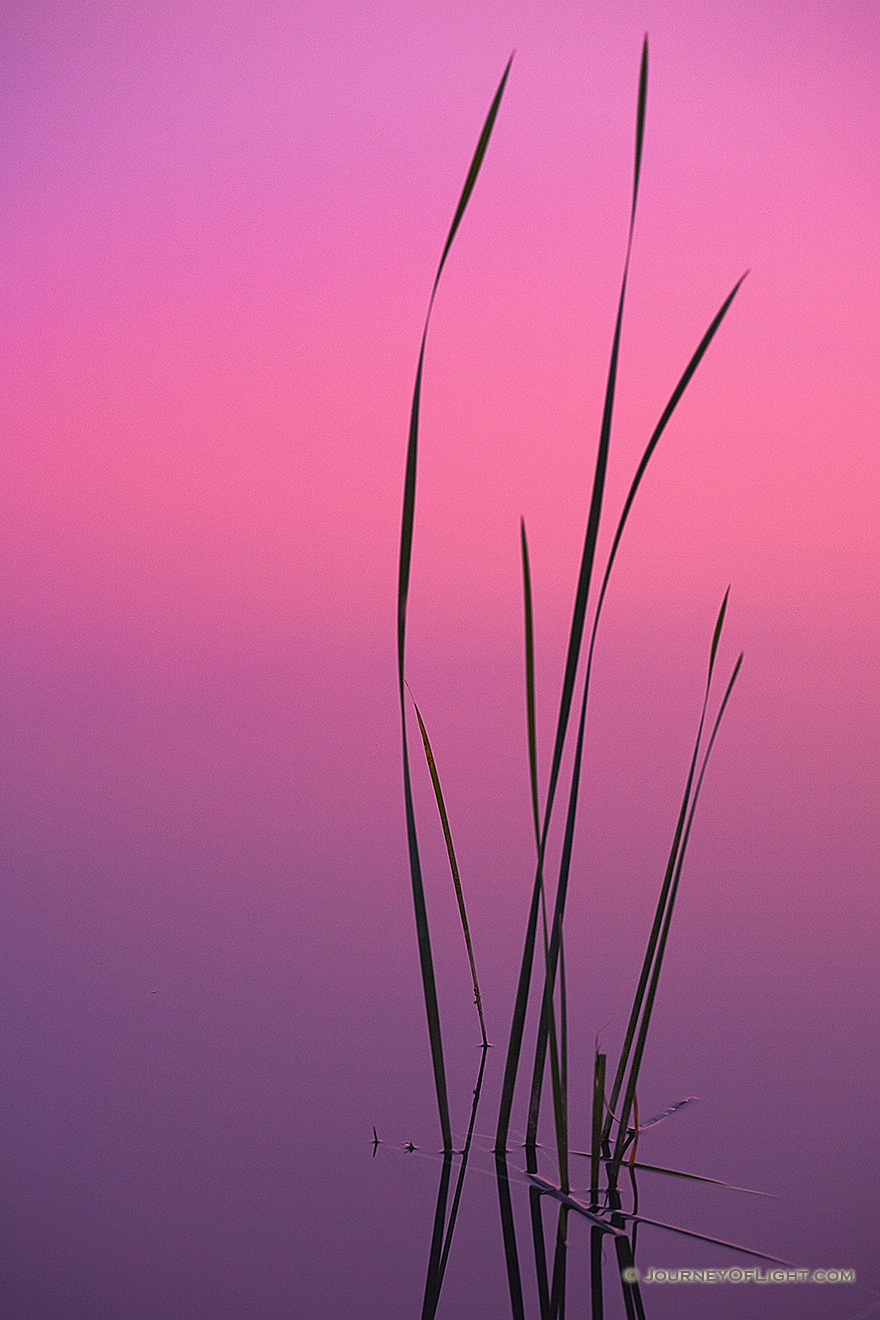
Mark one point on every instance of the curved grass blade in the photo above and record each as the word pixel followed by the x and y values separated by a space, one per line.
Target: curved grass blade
pixel 665 416
pixel 574 646
pixel 406 538
pixel 453 866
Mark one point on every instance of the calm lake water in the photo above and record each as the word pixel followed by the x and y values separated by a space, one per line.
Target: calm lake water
pixel 211 995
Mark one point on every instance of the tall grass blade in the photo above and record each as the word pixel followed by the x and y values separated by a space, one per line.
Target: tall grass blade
pixel 453 866
pixel 574 645
pixel 596 498
pixel 406 540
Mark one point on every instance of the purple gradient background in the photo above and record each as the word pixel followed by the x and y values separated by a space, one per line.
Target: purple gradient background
pixel 220 224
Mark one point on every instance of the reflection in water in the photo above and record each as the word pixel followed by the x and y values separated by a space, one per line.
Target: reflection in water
pixel 545 1259
pixel 441 1237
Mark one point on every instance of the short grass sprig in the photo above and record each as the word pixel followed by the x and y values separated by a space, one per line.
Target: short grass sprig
pixel 643 1003
pixel 453 866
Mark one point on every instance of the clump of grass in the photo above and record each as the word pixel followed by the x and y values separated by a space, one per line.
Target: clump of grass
pixel 614 1122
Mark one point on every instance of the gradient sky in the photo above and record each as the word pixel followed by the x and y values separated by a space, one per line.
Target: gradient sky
pixel 220 223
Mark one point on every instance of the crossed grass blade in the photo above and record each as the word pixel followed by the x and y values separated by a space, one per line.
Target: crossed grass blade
pixel 406 539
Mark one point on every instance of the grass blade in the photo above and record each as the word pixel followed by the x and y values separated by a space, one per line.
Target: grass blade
pixel 406 539
pixel 453 866
pixel 665 416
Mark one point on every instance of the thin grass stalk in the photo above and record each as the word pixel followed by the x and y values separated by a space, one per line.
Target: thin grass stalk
pixel 453 866
pixel 661 946
pixel 539 1246
pixel 663 898
pixel 406 540
pixel 465 1155
pixel 575 639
